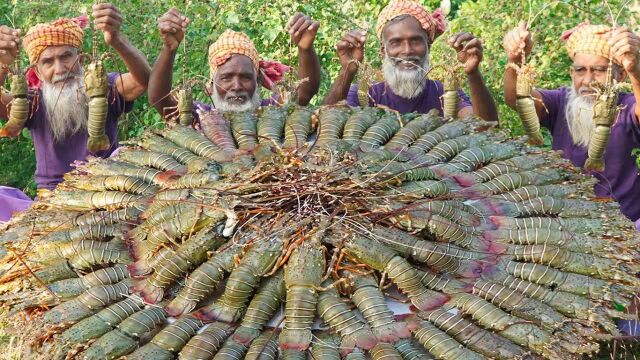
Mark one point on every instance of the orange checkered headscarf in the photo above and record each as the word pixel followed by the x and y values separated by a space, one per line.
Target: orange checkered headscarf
pixel 229 43
pixel 433 23
pixel 232 42
pixel 588 39
pixel 60 32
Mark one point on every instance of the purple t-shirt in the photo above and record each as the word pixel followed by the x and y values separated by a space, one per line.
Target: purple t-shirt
pixel 53 159
pixel 620 179
pixel 12 200
pixel 431 98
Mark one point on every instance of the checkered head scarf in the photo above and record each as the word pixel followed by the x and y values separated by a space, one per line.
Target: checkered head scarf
pixel 433 23
pixel 588 39
pixel 59 32
pixel 232 42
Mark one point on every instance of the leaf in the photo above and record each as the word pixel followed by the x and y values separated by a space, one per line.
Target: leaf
pixel 232 19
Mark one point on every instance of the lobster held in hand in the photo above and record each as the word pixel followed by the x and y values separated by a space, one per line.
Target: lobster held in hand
pixel 19 112
pixel 97 87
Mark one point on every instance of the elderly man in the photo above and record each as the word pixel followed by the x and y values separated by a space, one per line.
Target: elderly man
pixel 59 106
pixel 567 111
pixel 235 66
pixel 406 32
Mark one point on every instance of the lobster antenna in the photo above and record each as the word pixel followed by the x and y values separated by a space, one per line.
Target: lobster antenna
pixel 624 6
pixel 530 2
pixel 94 50
pixel 184 49
pixel 614 21
pixel 531 20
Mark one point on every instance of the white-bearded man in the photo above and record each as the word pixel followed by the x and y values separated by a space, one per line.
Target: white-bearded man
pixel 567 112
pixel 58 103
pixel 235 68
pixel 406 31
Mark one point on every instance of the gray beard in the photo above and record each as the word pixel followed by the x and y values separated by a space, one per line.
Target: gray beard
pixel 222 104
pixel 579 115
pixel 407 84
pixel 67 108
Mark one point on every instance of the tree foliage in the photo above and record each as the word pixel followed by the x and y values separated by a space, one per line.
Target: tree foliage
pixel 264 21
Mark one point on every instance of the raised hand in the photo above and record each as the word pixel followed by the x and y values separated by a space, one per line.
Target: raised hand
pixel 303 30
pixel 625 49
pixel 351 48
pixel 107 17
pixel 9 44
pixel 518 41
pixel 469 50
pixel 172 27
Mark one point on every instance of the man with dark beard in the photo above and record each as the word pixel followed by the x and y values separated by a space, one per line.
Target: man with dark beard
pixel 406 31
pixel 567 111
pixel 236 70
pixel 59 105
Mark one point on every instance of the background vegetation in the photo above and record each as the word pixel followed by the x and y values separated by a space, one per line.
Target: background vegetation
pixel 264 21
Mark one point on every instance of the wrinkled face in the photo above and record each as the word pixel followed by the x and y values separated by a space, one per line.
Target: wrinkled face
pixel 58 63
pixel 236 80
pixel 405 53
pixel 587 68
pixel 405 42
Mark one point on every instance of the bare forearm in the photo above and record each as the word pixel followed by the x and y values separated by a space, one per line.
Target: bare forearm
pixel 5 97
pixel 341 85
pixel 137 65
pixel 160 81
pixel 309 69
pixel 483 104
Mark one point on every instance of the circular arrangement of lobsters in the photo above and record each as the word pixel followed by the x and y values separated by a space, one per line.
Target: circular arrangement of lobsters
pixel 291 231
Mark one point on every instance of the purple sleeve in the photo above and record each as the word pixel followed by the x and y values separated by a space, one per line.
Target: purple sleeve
pixel 352 96
pixel 117 104
pixel 628 116
pixel 464 100
pixel 552 100
pixel 12 200
pixel 202 106
pixel 272 100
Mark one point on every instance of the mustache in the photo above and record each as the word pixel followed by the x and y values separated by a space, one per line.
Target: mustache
pixel 241 95
pixel 66 77
pixel 414 60
pixel 585 90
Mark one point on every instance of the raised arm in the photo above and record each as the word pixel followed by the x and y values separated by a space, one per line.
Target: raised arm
pixel 350 53
pixel 625 47
pixel 172 26
pixel 516 42
pixel 9 42
pixel 134 83
pixel 469 50
pixel 303 32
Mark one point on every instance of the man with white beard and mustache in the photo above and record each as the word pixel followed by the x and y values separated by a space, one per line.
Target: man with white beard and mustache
pixel 58 104
pixel 236 70
pixel 406 31
pixel 567 111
